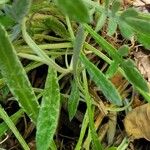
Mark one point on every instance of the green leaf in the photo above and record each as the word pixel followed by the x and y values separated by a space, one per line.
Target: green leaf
pixel 125 30
pixel 3 2
pixel 134 76
pixel 95 140
pixel 102 82
pixel 49 111
pixel 6 21
pixel 15 117
pixel 101 21
pixel 140 25
pixel 112 26
pixel 130 12
pixel 106 4
pixel 144 39
pixel 115 6
pixel 104 44
pixel 13 128
pixel 112 69
pixel 73 100
pixel 77 47
pixel 16 78
pixel 74 9
pixel 20 9
pixel 123 50
pixel 56 26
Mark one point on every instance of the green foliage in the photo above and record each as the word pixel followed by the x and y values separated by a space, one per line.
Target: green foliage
pixel 78 45
pixel 20 9
pixel 55 25
pixel 15 117
pixel 131 72
pixel 96 143
pixel 36 44
pixel 6 21
pixel 73 100
pixel 133 75
pixel 74 9
pixel 12 126
pixel 102 82
pixel 15 76
pixel 49 111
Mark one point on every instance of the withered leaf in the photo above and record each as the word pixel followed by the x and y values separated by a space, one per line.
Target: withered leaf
pixel 137 122
pixel 143 63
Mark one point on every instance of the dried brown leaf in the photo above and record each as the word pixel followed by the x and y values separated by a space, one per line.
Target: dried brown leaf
pixel 143 63
pixel 137 122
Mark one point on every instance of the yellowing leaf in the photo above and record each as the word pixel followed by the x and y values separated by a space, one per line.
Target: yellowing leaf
pixel 137 122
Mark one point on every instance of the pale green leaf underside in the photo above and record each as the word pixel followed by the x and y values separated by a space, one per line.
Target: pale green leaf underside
pixel 49 112
pixel 16 78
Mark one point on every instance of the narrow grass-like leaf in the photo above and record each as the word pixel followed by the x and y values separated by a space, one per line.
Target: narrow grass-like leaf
pixel 96 143
pixel 133 75
pixel 127 67
pixel 11 125
pixel 104 44
pixel 82 131
pixel 75 9
pixel 20 8
pixel 49 111
pixel 73 100
pixel 78 44
pixel 102 82
pixel 15 117
pixel 16 78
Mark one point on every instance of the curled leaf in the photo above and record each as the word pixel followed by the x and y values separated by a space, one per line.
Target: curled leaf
pixel 137 122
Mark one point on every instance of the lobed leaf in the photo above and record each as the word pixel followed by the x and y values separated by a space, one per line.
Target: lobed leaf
pixel 49 111
pixel 16 78
pixel 102 82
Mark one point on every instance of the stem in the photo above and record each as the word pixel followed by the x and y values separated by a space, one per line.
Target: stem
pixel 70 28
pixel 82 133
pixel 39 52
pixel 11 125
pixel 97 145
